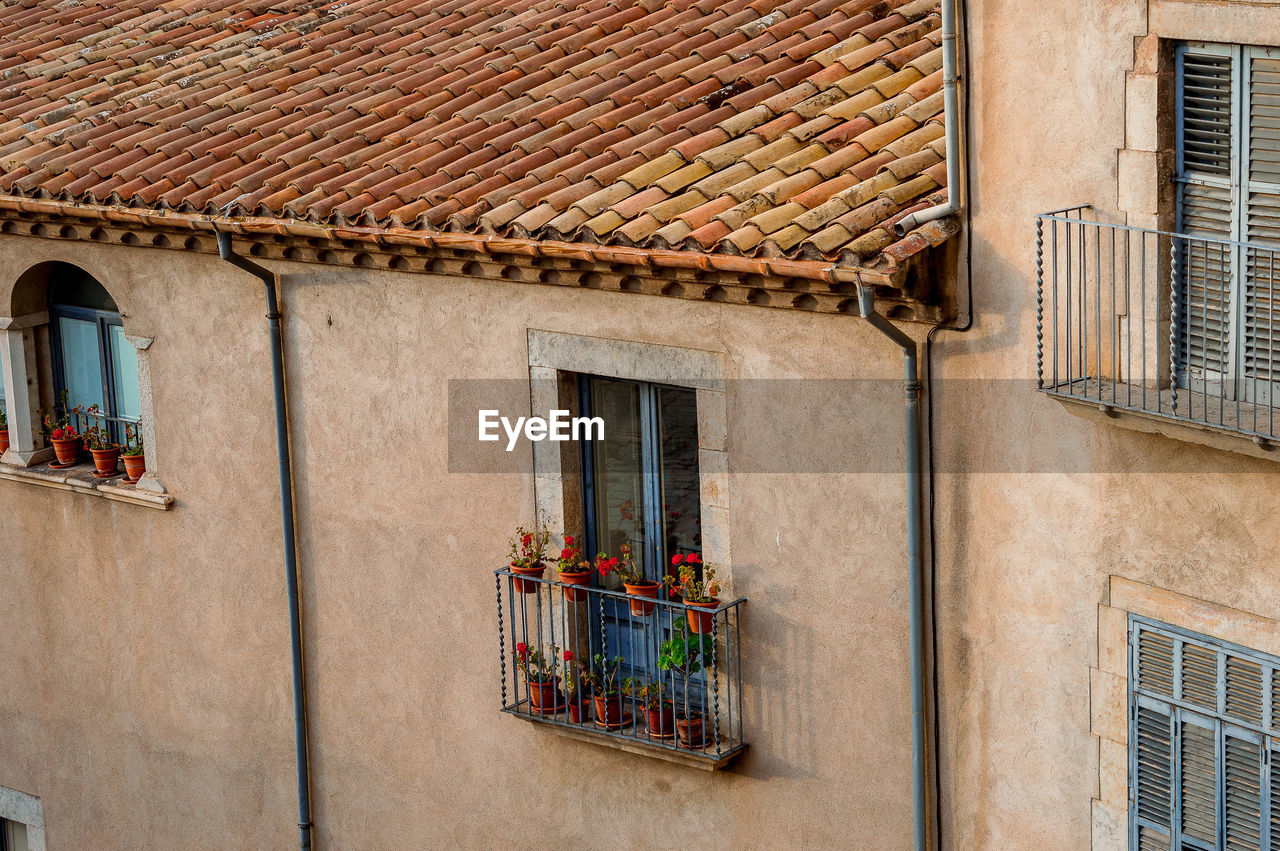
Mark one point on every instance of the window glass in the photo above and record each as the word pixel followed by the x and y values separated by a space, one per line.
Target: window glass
pixel 124 367
pixel 618 484
pixel 81 362
pixel 677 451
pixel 13 836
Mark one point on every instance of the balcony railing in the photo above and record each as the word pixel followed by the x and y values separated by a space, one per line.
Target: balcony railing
pixel 689 657
pixel 1159 323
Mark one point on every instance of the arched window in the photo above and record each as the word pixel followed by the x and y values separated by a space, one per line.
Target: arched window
pixel 93 363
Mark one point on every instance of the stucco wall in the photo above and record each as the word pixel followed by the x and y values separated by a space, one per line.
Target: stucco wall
pixel 1037 507
pixel 151 647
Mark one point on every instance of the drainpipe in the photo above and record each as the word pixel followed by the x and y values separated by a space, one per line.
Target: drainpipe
pixel 268 279
pixel 951 118
pixel 915 562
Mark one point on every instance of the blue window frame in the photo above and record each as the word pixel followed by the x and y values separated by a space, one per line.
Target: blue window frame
pixel 640 487
pixel 93 362
pixel 1204 760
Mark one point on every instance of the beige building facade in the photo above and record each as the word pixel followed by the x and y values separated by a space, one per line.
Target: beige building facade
pixel 144 629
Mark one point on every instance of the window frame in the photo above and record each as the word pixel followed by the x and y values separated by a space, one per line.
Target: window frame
pixel 1232 381
pixel 104 320
pixel 1178 711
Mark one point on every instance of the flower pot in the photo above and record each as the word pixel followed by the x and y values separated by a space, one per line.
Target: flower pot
pixel 690 732
pixel 524 586
pixel 544 696
pixel 701 622
pixel 134 467
pixel 105 461
pixel 580 710
pixel 574 595
pixel 4 441
pixel 68 451
pixel 646 589
pixel 662 722
pixel 609 709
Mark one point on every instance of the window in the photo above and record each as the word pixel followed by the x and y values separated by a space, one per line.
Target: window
pixel 93 362
pixel 1228 197
pixel 641 488
pixel 1204 770
pixel 13 836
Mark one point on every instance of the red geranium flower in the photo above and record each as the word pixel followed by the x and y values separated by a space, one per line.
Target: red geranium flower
pixel 568 655
pixel 694 559
pixel 568 540
pixel 677 559
pixel 522 649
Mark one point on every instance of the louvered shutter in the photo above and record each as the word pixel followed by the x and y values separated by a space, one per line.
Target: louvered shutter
pixel 1206 208
pixel 1153 775
pixel 1242 770
pixel 1198 779
pixel 1261 225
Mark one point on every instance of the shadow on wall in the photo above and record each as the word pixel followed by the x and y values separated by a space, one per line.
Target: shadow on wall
pixel 778 656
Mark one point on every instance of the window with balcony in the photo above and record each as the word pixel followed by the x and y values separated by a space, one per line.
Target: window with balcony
pixel 1180 324
pixel 647 670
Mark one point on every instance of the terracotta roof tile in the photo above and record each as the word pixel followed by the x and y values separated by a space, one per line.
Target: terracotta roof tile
pixel 798 128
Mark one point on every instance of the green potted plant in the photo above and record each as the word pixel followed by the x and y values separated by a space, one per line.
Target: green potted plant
pixel 695 590
pixel 577 691
pixel 66 441
pixel 573 570
pixel 135 460
pixel 659 710
pixel 633 580
pixel 539 671
pixel 685 653
pixel 97 438
pixel 4 432
pixel 528 557
pixel 607 692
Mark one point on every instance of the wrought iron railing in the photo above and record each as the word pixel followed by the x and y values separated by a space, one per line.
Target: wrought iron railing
pixel 1166 324
pixel 687 659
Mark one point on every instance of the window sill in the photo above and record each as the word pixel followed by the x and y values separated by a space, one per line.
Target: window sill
pixel 705 759
pixel 1222 437
pixel 80 479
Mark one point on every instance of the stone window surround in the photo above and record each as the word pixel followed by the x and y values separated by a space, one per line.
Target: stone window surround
pixel 20 376
pixel 24 809
pixel 1109 683
pixel 555 358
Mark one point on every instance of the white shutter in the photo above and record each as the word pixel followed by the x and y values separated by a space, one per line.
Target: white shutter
pixel 1207 101
pixel 1261 226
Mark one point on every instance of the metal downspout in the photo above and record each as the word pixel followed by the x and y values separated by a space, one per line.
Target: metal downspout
pixel 951 118
pixel 915 562
pixel 268 279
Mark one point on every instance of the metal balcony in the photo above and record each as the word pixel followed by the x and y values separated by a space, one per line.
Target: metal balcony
pixel 548 617
pixel 1173 326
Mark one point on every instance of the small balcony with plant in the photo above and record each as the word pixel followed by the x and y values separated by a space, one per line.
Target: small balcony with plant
pixel 653 668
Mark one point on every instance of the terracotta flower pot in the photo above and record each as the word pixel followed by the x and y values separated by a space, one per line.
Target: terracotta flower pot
pixel 68 451
pixel 700 622
pixel 580 710
pixel 609 709
pixel 662 722
pixel 4 441
pixel 134 467
pixel 524 586
pixel 648 589
pixel 106 461
pixel 544 696
pixel 574 595
pixel 690 732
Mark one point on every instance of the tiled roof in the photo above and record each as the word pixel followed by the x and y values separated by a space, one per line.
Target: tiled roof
pixel 798 129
